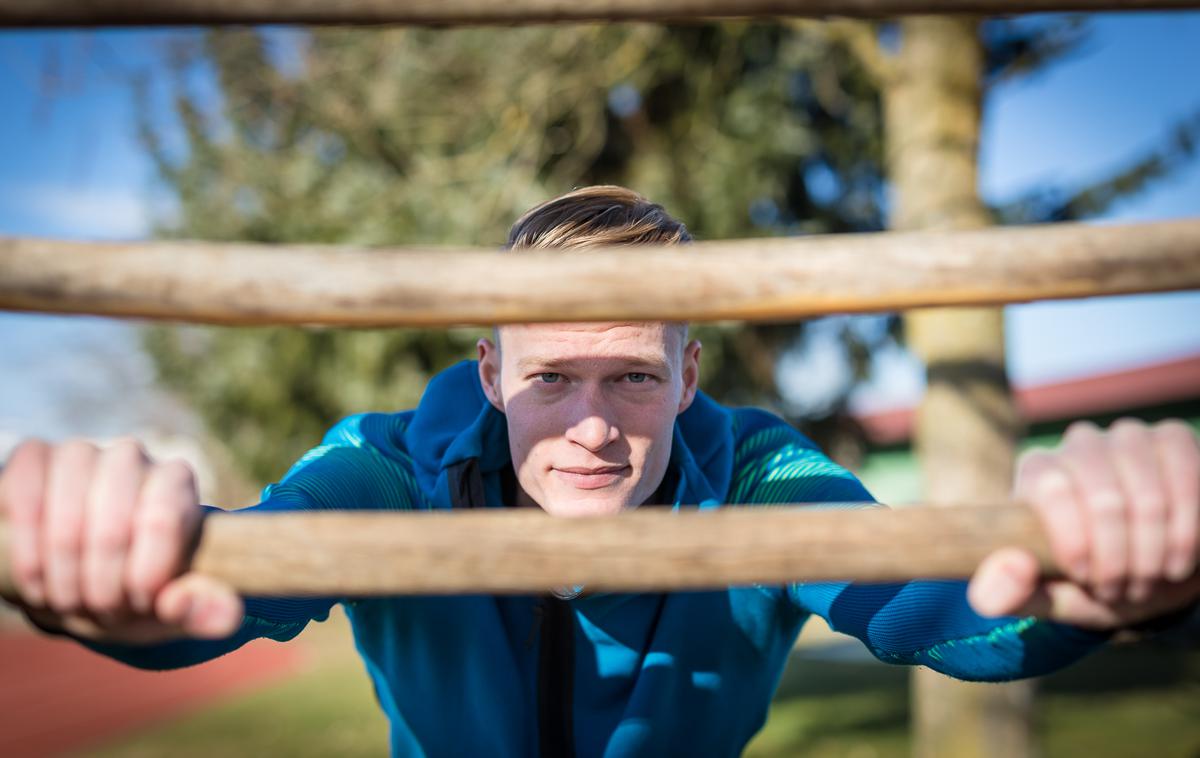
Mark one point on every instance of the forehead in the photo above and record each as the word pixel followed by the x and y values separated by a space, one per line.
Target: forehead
pixel 649 339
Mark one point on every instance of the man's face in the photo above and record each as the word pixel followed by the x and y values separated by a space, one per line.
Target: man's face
pixel 591 409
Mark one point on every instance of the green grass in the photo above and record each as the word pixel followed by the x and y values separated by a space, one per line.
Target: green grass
pixel 1130 700
pixel 1134 700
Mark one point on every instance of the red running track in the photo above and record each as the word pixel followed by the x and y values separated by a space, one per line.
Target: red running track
pixel 56 696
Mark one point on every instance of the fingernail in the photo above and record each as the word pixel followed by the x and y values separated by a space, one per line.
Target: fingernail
pixel 1139 591
pixel 999 597
pixel 195 617
pixel 185 609
pixel 35 594
pixel 1079 572
pixel 139 601
pixel 1178 569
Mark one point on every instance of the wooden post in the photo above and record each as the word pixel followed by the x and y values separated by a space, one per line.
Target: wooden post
pixel 967 422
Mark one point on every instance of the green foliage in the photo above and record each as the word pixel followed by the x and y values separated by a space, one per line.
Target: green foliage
pixel 446 136
pixel 440 136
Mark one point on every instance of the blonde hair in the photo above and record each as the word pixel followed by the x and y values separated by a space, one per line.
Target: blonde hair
pixel 589 216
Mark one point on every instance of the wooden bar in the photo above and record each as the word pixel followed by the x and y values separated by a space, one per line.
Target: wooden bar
pixel 38 13
pixel 772 279
pixel 348 554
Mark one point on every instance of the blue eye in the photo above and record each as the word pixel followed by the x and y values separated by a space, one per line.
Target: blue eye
pixel 549 378
pixel 637 378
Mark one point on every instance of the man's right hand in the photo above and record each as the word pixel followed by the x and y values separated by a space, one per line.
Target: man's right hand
pixel 100 540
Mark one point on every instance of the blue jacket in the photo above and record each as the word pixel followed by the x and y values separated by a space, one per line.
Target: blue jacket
pixel 604 674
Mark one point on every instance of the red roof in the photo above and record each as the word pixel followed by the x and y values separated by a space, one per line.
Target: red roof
pixel 1139 387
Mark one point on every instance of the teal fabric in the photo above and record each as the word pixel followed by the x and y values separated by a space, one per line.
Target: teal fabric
pixel 677 674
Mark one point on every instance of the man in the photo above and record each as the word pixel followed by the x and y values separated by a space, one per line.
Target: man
pixel 587 419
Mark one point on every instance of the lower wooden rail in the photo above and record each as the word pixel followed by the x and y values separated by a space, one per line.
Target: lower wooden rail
pixel 349 554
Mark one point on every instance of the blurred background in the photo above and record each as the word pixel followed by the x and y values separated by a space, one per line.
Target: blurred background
pixel 406 136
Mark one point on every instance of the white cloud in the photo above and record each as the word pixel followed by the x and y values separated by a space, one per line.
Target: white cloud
pixel 68 211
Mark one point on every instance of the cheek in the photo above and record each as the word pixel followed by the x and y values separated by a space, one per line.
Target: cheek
pixel 649 432
pixel 529 433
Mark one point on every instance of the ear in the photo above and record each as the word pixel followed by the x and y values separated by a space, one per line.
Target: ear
pixel 489 372
pixel 691 374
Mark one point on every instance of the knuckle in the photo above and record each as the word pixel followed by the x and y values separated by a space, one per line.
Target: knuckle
pixel 1128 425
pixel 1150 508
pixel 1147 569
pixel 1111 572
pixel 64 604
pixel 148 581
pixel 26 570
pixel 1174 428
pixel 127 451
pixel 64 541
pixel 110 539
pixel 102 598
pixel 1081 431
pixel 31 451
pixel 1107 504
pixel 1182 543
pixel 158 523
pixel 1129 434
pixel 25 513
pixel 177 472
pixel 1073 552
pixel 75 449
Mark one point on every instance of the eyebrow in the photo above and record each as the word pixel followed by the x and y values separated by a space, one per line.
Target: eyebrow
pixel 649 361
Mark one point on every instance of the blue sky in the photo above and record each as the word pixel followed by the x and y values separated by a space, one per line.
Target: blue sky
pixel 70 167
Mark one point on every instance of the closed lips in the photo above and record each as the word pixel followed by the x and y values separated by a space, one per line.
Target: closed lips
pixel 591 478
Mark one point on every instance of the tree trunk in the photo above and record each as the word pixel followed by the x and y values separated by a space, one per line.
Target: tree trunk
pixel 967 423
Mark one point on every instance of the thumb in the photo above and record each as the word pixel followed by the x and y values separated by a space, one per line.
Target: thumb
pixel 1004 583
pixel 200 607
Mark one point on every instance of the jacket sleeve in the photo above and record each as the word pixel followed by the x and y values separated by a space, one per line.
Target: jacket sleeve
pixel 923 622
pixel 345 472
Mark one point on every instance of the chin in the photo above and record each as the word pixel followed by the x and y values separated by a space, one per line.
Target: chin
pixel 569 506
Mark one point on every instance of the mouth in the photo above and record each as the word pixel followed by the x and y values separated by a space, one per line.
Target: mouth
pixel 586 478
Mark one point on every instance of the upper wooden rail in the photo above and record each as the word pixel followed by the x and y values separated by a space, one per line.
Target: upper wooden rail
pixel 754 280
pixel 509 550
pixel 212 12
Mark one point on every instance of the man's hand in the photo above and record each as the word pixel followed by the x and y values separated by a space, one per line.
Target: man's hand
pixel 1122 511
pixel 99 539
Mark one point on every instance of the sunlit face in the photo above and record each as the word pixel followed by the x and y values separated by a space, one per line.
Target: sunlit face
pixel 591 409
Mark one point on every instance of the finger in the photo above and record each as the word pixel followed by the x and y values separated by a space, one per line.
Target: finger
pixel 1133 451
pixel 1070 603
pixel 164 523
pixel 22 496
pixel 1048 489
pixel 62 523
pixel 1179 457
pixel 1085 454
pixel 1004 582
pixel 200 606
pixel 120 471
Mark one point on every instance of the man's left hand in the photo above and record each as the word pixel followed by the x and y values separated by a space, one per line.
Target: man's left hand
pixel 1121 509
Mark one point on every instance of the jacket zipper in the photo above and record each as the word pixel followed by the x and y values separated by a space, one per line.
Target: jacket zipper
pixel 556 619
pixel 556 678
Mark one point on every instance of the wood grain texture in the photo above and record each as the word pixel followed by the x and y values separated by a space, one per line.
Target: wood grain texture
pixel 755 280
pixel 212 12
pixel 517 551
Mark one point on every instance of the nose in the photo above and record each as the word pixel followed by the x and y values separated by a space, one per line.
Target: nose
pixel 594 427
